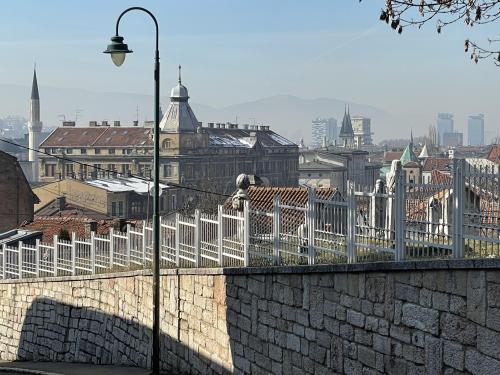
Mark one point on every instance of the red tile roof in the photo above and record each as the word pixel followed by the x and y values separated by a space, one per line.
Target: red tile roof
pixel 440 178
pixel 389 156
pixel 99 137
pixel 494 154
pixel 437 164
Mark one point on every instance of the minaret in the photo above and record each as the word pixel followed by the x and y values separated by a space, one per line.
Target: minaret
pixel 34 129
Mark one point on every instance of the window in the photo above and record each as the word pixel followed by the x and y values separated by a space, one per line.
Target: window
pixel 83 151
pixel 97 151
pixel 120 208
pixel 136 208
pixel 50 170
pixel 127 151
pixel 125 168
pixel 113 208
pixel 69 150
pixel 69 170
pixel 167 143
pixel 111 167
pixel 111 151
pixel 173 202
pixel 167 170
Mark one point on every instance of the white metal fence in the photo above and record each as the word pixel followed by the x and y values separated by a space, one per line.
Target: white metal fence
pixel 458 217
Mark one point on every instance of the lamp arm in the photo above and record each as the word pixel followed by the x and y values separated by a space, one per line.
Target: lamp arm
pixel 143 10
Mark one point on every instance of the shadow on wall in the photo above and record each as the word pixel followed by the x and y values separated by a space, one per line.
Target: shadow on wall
pixel 58 332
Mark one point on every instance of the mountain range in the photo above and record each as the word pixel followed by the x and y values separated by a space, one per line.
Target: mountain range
pixel 288 115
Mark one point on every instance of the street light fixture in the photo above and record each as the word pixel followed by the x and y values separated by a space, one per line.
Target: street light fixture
pixel 118 50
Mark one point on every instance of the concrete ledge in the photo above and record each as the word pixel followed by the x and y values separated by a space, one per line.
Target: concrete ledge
pixel 419 265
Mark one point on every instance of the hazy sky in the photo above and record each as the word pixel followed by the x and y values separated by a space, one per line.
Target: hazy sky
pixel 236 51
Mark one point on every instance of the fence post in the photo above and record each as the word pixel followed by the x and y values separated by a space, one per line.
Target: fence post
pixel 111 247
pixel 144 242
pixel 4 246
pixel 246 232
pixel 399 215
pixel 37 257
pixel 220 234
pixel 128 244
pixel 351 223
pixel 55 254
pixel 73 253
pixel 92 252
pixel 276 230
pixel 177 239
pixel 197 237
pixel 20 259
pixel 311 224
pixel 458 208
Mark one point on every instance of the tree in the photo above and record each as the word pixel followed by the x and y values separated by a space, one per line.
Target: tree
pixel 400 14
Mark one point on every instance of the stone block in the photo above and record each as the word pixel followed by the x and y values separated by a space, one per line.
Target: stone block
pixel 453 355
pixel 352 367
pixel 362 337
pixel 493 318
pixel 355 318
pixel 293 342
pixel 488 342
pixel 458 329
pixel 441 301
pixel 422 318
pixel 381 344
pixel 394 366
pixel 375 289
pixel 406 293
pixel 479 364
pixel 366 356
pixel 400 333
pixel 433 355
pixel 493 295
pixel 476 296
pixel 458 305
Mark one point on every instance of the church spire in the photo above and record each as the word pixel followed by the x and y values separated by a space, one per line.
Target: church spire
pixel 34 87
pixel 180 82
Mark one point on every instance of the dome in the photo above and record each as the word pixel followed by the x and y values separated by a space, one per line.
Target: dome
pixel 179 91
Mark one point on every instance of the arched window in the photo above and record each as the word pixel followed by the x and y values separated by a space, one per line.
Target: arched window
pixel 167 143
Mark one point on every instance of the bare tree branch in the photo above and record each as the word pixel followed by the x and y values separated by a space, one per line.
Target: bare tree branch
pixel 400 14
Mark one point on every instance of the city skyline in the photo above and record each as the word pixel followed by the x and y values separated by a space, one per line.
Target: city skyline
pixel 217 43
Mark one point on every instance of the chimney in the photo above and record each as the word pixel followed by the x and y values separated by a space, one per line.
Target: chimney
pixel 68 123
pixel 116 123
pixel 92 123
pixel 136 123
pixel 60 203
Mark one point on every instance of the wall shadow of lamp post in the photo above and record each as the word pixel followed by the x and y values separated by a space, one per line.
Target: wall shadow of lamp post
pixel 239 198
pixel 118 50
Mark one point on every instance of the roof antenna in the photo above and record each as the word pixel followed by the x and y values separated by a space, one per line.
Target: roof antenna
pixel 179 74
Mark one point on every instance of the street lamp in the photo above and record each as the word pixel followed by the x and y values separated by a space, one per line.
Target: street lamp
pixel 118 50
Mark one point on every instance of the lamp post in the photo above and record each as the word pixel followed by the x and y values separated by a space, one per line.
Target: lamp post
pixel 118 50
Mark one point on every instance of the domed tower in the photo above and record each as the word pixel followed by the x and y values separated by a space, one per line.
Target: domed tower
pixel 179 116
pixel 34 129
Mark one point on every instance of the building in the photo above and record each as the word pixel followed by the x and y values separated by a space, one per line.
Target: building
pixel 494 154
pixel 114 197
pixel 431 164
pixel 18 199
pixel 411 165
pixel 362 131
pixel 444 125
pixel 454 139
pixel 475 130
pixel 34 130
pixel 334 166
pixel 206 157
pixel 323 129
pixel 346 135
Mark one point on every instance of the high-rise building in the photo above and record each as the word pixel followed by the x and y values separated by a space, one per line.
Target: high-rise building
pixel 362 130
pixel 323 128
pixel 453 139
pixel 444 125
pixel 475 130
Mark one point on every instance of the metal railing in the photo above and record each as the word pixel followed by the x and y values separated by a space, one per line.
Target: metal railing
pixel 459 217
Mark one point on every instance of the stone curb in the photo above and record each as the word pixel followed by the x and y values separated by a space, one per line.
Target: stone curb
pixel 436 264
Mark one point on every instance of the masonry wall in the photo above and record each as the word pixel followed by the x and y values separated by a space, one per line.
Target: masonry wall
pixel 440 317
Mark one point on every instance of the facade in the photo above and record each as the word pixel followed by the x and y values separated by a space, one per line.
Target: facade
pixel 454 139
pixel 362 130
pixel 334 166
pixel 444 125
pixel 114 197
pixel 206 157
pixel 475 130
pixel 18 199
pixel 323 129
pixel 431 164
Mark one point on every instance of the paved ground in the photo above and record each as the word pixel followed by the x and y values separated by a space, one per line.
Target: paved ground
pixel 55 368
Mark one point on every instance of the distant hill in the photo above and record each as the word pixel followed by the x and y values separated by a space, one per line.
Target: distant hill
pixel 288 115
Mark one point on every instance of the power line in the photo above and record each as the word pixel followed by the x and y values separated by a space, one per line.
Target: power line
pixel 63 158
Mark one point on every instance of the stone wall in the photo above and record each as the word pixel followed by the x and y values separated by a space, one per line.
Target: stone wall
pixel 439 317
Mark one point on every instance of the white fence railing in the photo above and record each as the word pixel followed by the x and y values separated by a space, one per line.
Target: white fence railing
pixel 458 217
